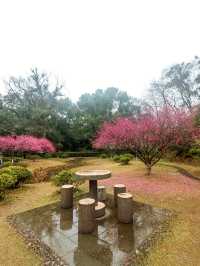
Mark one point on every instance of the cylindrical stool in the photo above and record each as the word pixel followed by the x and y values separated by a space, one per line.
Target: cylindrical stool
pixel 86 216
pixel 119 188
pixel 125 207
pixel 100 209
pixel 67 196
pixel 101 193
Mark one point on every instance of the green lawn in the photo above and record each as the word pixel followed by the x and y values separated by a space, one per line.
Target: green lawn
pixel 171 185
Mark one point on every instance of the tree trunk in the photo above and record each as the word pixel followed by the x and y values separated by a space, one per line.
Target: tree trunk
pixel 148 170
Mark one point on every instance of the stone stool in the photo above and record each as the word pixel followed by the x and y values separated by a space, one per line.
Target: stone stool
pixel 125 207
pixel 67 196
pixel 86 216
pixel 118 188
pixel 101 193
pixel 100 209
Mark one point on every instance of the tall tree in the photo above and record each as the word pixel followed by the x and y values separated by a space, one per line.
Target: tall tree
pixel 179 86
pixel 34 105
pixel 102 105
pixel 37 107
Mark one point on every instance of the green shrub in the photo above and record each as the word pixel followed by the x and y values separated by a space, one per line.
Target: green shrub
pixel 103 156
pixel 21 173
pixel 63 177
pixel 62 155
pixel 129 155
pixel 77 154
pixel 6 164
pixel 194 152
pixel 47 155
pixel 11 176
pixel 116 158
pixel 8 181
pixel 66 177
pixel 124 160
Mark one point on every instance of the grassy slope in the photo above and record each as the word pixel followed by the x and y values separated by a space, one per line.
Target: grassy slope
pixel 167 187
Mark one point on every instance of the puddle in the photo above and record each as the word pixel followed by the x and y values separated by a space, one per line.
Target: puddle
pixel 112 243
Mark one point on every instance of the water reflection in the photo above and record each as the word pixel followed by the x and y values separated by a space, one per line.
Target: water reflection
pixel 112 243
pixel 125 238
pixel 66 219
pixel 92 251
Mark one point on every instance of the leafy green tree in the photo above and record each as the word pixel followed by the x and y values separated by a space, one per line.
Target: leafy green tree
pixel 37 107
pixel 34 105
pixel 100 106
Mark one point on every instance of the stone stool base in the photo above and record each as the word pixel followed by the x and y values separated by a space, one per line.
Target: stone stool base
pixel 100 209
pixel 118 188
pixel 86 216
pixel 67 196
pixel 125 207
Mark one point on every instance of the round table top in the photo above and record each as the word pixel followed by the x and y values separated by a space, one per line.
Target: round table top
pixel 93 174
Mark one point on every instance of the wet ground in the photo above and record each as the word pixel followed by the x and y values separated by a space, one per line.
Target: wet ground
pixel 112 243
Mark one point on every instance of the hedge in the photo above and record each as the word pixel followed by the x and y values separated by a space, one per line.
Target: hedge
pixel 11 177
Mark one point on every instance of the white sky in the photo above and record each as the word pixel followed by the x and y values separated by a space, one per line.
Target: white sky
pixel 90 44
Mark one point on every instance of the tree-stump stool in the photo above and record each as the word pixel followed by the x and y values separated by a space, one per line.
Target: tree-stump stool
pixel 100 209
pixel 125 207
pixel 118 188
pixel 67 196
pixel 86 216
pixel 101 193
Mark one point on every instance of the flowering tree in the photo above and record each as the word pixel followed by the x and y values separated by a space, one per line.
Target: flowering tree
pixel 25 143
pixel 149 136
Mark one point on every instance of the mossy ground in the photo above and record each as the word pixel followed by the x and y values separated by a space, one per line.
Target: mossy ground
pixel 171 186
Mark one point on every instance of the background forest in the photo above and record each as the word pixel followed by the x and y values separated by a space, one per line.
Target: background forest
pixel 36 105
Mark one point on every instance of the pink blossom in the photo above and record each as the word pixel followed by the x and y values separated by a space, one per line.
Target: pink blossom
pixel 167 186
pixel 25 143
pixel 150 135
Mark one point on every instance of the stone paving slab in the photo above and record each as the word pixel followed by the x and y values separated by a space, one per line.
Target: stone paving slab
pixel 53 233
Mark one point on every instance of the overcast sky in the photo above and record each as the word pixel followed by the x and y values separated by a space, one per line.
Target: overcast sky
pixel 90 44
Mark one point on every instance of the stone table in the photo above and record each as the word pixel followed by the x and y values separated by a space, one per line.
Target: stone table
pixel 93 176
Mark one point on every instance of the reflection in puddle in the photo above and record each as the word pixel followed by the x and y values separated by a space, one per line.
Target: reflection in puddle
pixel 112 243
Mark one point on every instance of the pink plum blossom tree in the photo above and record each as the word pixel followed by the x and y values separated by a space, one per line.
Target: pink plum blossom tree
pixel 25 143
pixel 149 136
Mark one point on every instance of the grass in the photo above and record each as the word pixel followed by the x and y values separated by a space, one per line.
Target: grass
pixel 13 250
pixel 171 185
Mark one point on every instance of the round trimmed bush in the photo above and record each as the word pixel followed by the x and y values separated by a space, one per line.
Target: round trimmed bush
pixel 8 181
pixel 63 177
pixel 66 177
pixel 116 158
pixel 129 155
pixel 124 160
pixel 103 156
pixel 21 173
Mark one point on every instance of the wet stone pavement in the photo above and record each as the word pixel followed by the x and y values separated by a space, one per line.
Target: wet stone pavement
pixel 112 243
